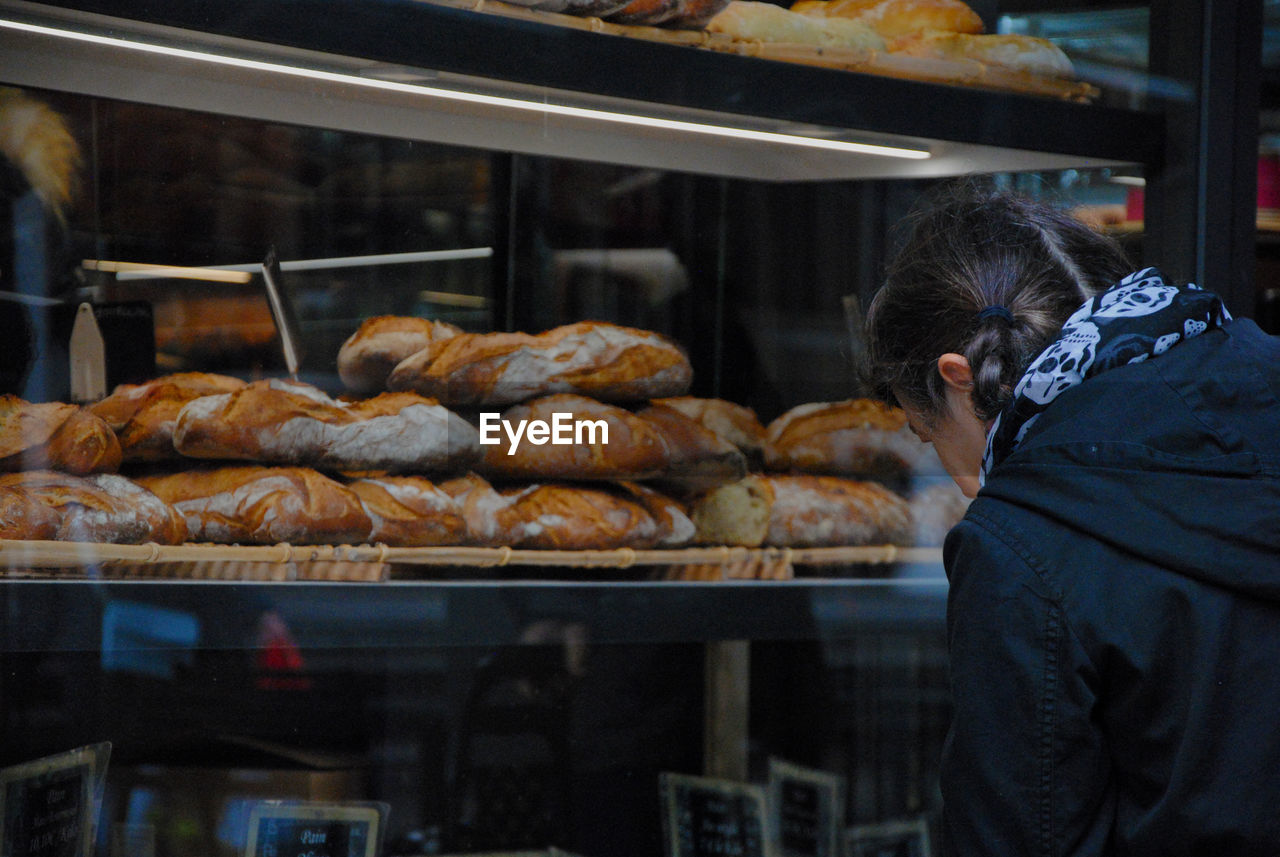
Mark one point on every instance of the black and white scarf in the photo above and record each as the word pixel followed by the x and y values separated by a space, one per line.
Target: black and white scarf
pixel 1138 318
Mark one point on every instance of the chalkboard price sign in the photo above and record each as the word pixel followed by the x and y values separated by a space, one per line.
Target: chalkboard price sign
pixel 312 829
pixel 706 817
pixel 48 806
pixel 806 808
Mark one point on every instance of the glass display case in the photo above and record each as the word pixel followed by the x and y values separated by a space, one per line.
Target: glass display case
pixel 501 168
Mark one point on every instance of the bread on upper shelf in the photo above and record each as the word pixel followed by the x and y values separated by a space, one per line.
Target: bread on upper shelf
pixel 801 511
pixel 1029 54
pixel 278 421
pixel 263 505
pixel 895 18
pixel 598 359
pixel 54 436
pixel 855 437
pixel 748 20
pixel 143 415
pixel 102 507
pixel 380 343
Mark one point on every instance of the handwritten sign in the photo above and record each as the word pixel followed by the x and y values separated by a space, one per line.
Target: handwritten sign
pixel 806 810
pixel 908 838
pixel 48 807
pixel 312 829
pixel 704 817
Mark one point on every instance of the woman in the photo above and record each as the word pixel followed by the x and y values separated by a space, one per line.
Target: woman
pixel 1114 606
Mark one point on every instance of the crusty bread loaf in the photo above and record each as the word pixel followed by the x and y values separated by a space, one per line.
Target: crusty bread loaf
pixel 285 422
pixel 734 423
pixel 856 437
pixel 635 447
pixel 1020 53
pixel 368 356
pixel 698 456
pixel 675 528
pixel 143 415
pixel 894 18
pixel 752 20
pixel 56 436
pixel 557 516
pixel 263 505
pixel 935 509
pixel 22 516
pixel 410 511
pixel 596 359
pixel 102 507
pixel 801 511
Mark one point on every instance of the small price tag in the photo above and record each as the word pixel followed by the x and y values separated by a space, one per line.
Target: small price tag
pixel 313 829
pixel 907 838
pixel 806 810
pixel 48 807
pixel 705 817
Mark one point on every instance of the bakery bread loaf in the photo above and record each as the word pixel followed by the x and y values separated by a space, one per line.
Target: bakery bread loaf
pixel 410 511
pixel 611 442
pixel 732 422
pixel 54 436
pixel 380 343
pixel 102 507
pixel 557 516
pixel 263 505
pixel 895 18
pixel 595 359
pixel 1017 52
pixel 285 422
pixel 697 456
pixel 143 415
pixel 856 437
pixel 801 511
pixel 22 516
pixel 752 20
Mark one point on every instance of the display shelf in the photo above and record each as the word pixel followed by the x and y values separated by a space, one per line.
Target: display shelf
pixel 393 68
pixel 368 563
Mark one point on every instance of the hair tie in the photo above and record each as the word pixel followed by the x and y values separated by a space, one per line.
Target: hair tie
pixel 995 311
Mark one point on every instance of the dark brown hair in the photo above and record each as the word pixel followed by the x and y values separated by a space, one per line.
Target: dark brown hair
pixel 969 247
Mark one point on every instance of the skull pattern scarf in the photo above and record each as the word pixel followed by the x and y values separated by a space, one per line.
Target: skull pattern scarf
pixel 1138 318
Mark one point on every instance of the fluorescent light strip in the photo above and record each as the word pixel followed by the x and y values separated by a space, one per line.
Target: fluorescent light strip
pixel 477 98
pixel 228 273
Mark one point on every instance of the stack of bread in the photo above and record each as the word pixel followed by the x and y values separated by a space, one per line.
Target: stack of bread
pixel 433 452
pixel 947 30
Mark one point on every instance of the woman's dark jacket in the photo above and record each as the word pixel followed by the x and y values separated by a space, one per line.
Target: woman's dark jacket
pixel 1114 618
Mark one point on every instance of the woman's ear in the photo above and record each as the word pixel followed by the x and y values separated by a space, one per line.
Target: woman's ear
pixel 954 369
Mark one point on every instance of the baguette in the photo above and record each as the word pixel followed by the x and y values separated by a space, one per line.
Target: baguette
pixel 143 415
pixel 288 423
pixel 801 511
pixel 410 511
pixel 1020 53
pixel 596 359
pixel 635 447
pixel 698 456
pixel 856 437
pixel 102 507
pixel 263 505
pixel 556 516
pixel 368 356
pixel 735 423
pixel 54 436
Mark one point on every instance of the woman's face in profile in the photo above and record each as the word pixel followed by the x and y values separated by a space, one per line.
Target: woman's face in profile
pixel 958 435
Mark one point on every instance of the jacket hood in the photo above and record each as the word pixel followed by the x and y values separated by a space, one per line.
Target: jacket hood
pixel 1174 460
